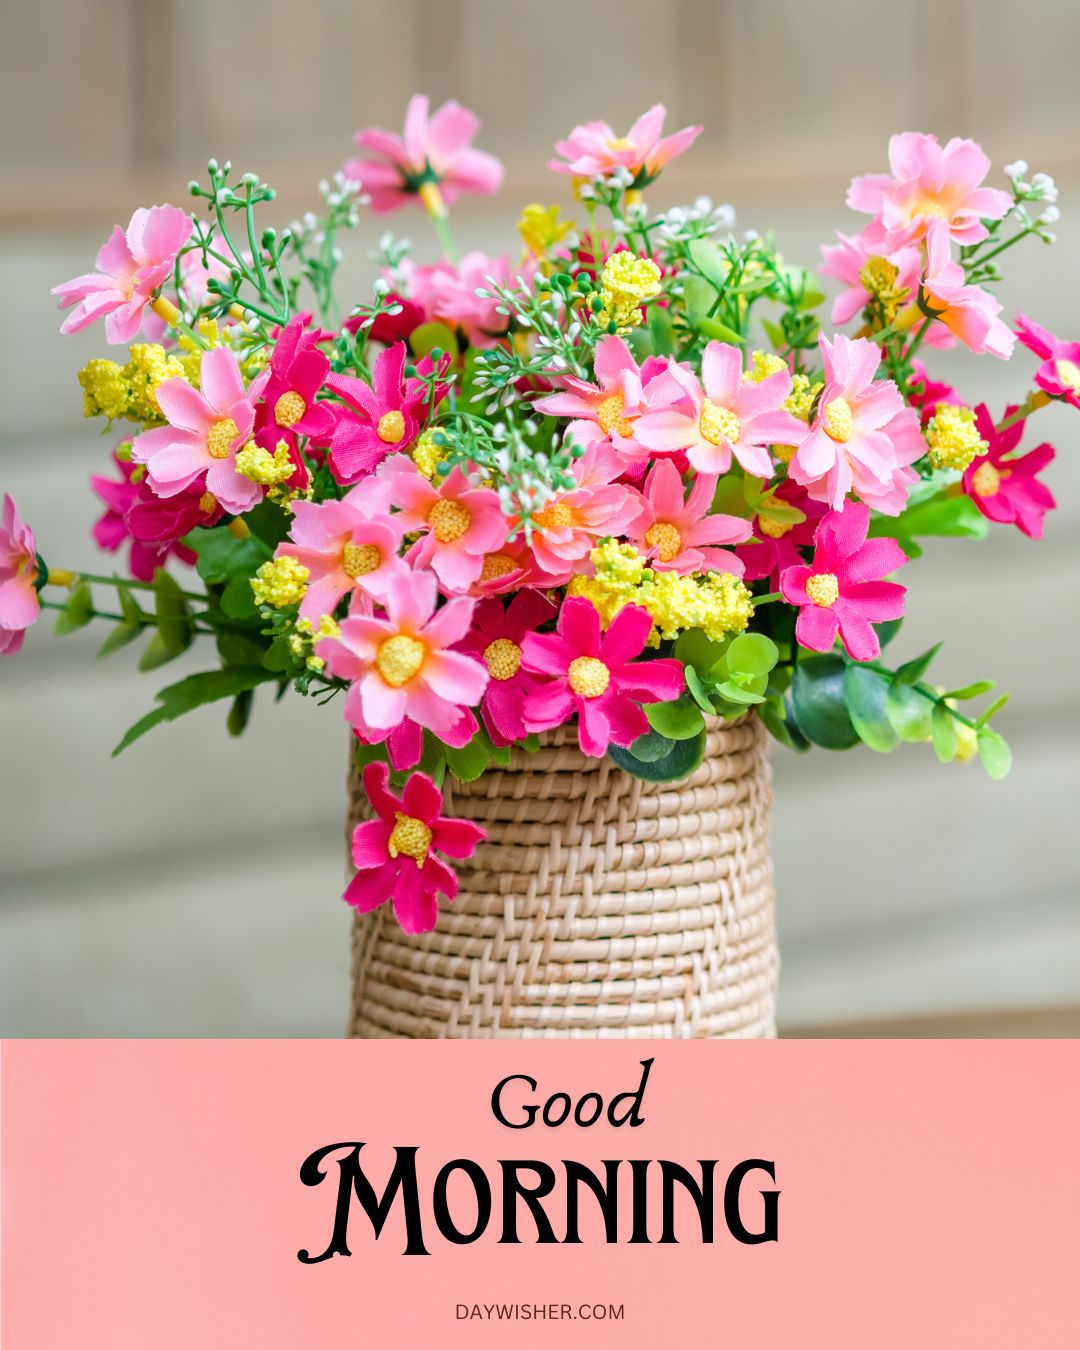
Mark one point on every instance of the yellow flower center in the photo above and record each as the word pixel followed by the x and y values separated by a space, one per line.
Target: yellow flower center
pixel 207 503
pixel 554 516
pixel 954 438
pixel 837 421
pixel 360 559
pixel 496 565
pixel 986 480
pixel 449 520
pixel 289 409
pixel 588 676
pixel 772 529
pixel 665 538
pixel 719 424
pixel 610 416
pixel 399 658
pixel 618 143
pixel 409 836
pixel 502 658
pixel 391 427
pixel 220 439
pixel 1068 372
pixel 823 589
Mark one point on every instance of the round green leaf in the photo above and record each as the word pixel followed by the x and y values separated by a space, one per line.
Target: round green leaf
pixel 908 711
pixel 866 693
pixel 678 720
pixel 994 752
pixel 943 733
pixel 752 654
pixel 428 336
pixel 683 759
pixel 819 704
pixel 651 747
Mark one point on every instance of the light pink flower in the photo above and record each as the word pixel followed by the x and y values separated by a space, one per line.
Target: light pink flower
pixel 346 545
pixel 594 150
pixel 930 183
pixel 727 417
pixel 401 665
pixel 132 265
pixel 458 523
pixel 846 260
pixel 1004 486
pixel 678 535
pixel 19 603
pixel 447 293
pixel 841 591
pixel 205 432
pixel 496 637
pixel 863 438
pixel 607 410
pixel 569 526
pixel 595 676
pixel 394 854
pixel 969 312
pixel 1059 373
pixel 433 149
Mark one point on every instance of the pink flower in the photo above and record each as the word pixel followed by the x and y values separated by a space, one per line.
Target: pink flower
pixel 298 370
pixel 405 742
pixel 678 535
pixel 394 854
pixel 595 676
pixel 969 312
pixel 206 431
pixel 459 523
pixel 926 394
pixel 508 568
pixel 728 416
pixel 1004 489
pixel 863 438
pixel 131 267
pixel 347 545
pixel 846 260
pixel 436 149
pixel 607 410
pixel 930 183
pixel 496 637
pixel 447 293
pixel 401 665
pixel 568 527
pixel 778 544
pixel 841 592
pixel 380 418
pixel 19 603
pixel 1059 374
pixel 594 150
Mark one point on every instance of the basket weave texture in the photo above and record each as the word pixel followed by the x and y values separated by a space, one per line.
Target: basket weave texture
pixel 600 905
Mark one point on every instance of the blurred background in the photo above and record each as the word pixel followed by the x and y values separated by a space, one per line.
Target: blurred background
pixel 192 886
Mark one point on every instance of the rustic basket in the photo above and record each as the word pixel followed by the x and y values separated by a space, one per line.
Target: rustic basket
pixel 600 905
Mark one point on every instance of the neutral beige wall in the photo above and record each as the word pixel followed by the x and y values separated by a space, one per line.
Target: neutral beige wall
pixel 191 886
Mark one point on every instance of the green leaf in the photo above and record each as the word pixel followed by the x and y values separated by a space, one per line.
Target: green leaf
pixel 911 672
pixel 129 606
pixel 240 649
pixel 994 752
pixel 943 733
pixel 739 694
pixel 779 723
pixel 972 690
pixel 908 712
pixel 268 523
pixel 866 694
pixel 940 515
pixel 531 743
pixel 992 711
pixel 677 720
pixel 661 330
pixel 206 687
pixel 238 599
pixel 651 747
pixel 221 556
pixel 693 648
pixel 683 759
pixel 775 334
pixel 468 762
pixel 713 328
pixel 120 636
pixel 752 654
pixel 819 704
pixel 278 658
pixel 240 712
pixel 698 690
pixel 428 336
pixel 155 653
pixel 173 615
pixel 709 260
pixel 78 611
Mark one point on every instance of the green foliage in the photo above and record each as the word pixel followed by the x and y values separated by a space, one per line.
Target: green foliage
pixel 222 557
pixel 819 702
pixel 78 611
pixel 682 759
pixel 865 693
pixel 192 692
pixel 675 721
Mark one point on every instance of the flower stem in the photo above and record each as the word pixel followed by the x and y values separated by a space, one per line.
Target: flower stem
pixel 435 205
pixel 166 310
pixel 1038 398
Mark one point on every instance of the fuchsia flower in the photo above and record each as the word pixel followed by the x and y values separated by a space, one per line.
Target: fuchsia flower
pixel 728 416
pixel 205 432
pixel 19 603
pixel 401 665
pixel 347 545
pixel 569 526
pixel 436 149
pixel 394 854
pixel 496 637
pixel 1005 489
pixel 1059 374
pixel 380 418
pixel 969 312
pixel 863 438
pixel 446 292
pixel 298 370
pixel 926 394
pixel 593 149
pixel 679 535
pixel 459 523
pixel 132 265
pixel 595 675
pixel 777 543
pixel 607 410
pixel 842 591
pixel 405 742
pixel 930 183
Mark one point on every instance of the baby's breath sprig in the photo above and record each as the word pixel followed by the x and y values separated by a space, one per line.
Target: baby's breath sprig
pixel 563 337
pixel 977 259
pixel 314 240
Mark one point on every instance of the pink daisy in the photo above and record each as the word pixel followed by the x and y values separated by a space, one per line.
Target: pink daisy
pixel 678 534
pixel 1006 489
pixel 298 370
pixel 594 150
pixel 447 293
pixel 19 603
pixel 496 637
pixel 459 524
pixel 968 312
pixel 1059 374
pixel 778 544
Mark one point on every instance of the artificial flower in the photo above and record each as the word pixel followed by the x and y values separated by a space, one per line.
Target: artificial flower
pixel 496 638
pixel 446 292
pixel 969 312
pixel 394 854
pixel 676 533
pixel 1004 487
pixel 594 150
pixel 458 524
pixel 778 539
pixel 868 271
pixel 842 591
pixel 1059 374
pixel 19 603
pixel 405 743
pixel 594 675
pixel 298 370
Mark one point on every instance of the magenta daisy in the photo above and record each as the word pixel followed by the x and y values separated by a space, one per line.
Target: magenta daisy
pixel 496 637
pixel 1004 486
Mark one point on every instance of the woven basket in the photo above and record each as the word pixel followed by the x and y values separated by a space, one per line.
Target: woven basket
pixel 599 906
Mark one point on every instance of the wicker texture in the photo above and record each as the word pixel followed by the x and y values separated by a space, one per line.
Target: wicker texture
pixel 600 905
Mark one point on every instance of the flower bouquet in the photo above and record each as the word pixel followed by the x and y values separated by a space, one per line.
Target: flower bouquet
pixel 563 535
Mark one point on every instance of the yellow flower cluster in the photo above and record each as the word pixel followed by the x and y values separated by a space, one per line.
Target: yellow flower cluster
pixel 879 276
pixel 626 283
pixel 762 365
pixel 269 470
pixel 128 392
pixel 280 582
pixel 540 228
pixel 953 438
pixel 426 455
pixel 715 602
pixel 801 399
pixel 307 634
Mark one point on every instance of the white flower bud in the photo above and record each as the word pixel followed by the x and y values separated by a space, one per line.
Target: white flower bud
pixel 1018 169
